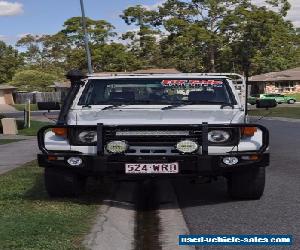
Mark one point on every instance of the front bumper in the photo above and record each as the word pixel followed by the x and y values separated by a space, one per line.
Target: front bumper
pixel 203 164
pixel 114 166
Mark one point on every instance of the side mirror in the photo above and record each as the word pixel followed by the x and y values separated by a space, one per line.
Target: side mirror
pixel 266 103
pixel 48 106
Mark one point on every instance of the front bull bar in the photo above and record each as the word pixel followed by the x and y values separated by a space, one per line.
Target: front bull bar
pixel 204 127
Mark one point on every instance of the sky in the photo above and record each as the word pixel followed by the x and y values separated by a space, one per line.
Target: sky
pixel 21 17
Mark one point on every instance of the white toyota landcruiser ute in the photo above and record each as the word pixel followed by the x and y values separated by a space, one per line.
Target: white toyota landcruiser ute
pixel 153 126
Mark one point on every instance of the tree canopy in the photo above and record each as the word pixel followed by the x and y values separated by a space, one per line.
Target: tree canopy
pixel 190 35
pixel 33 80
pixel 9 62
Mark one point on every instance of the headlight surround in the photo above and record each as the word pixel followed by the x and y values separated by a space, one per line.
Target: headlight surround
pixel 187 146
pixel 87 137
pixel 218 136
pixel 117 147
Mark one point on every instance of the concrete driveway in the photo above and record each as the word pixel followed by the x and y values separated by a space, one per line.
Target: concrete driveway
pixel 16 154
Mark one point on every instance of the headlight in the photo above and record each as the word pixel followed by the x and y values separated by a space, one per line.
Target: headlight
pixel 87 137
pixel 116 147
pixel 218 136
pixel 187 146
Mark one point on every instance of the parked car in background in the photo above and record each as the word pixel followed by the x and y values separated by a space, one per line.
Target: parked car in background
pixel 253 99
pixel 278 97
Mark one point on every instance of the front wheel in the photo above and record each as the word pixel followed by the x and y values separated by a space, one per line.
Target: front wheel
pixel 63 183
pixel 291 101
pixel 248 184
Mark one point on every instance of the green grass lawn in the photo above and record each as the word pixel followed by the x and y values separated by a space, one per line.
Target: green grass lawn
pixel 288 112
pixel 35 126
pixel 21 107
pixel 29 219
pixel 297 96
pixel 7 141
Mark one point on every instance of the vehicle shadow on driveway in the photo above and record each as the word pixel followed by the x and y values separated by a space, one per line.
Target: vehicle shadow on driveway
pixel 97 192
pixel 130 195
pixel 191 194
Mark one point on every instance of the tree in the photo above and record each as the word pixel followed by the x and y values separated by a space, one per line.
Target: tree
pixel 100 31
pixel 115 57
pixel 33 54
pixel 202 18
pixel 143 41
pixel 10 60
pixel 190 35
pixel 201 37
pixel 260 40
pixel 64 50
pixel 33 80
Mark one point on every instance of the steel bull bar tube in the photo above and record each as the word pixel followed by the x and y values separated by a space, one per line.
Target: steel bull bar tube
pixel 100 128
pixel 100 146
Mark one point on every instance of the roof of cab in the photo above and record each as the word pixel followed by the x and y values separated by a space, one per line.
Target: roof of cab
pixel 135 75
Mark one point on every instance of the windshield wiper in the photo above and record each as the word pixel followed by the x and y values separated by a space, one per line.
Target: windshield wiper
pixel 177 105
pixel 112 106
pixel 117 105
pixel 223 104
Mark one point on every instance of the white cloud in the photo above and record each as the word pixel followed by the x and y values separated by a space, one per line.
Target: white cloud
pixel 23 35
pixel 154 6
pixel 10 9
pixel 3 38
pixel 293 14
pixel 11 40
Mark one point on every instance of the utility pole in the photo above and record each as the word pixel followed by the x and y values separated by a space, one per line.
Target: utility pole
pixel 86 39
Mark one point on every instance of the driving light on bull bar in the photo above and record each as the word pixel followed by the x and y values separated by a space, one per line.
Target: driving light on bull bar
pixel 218 136
pixel 230 160
pixel 87 136
pixel 187 146
pixel 116 147
pixel 74 161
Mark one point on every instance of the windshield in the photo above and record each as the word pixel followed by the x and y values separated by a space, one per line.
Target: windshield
pixel 156 91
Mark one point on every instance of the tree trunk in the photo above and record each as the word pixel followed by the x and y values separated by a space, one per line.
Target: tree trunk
pixel 212 58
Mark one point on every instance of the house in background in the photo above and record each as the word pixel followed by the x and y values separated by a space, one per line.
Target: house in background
pixel 62 88
pixel 6 94
pixel 287 81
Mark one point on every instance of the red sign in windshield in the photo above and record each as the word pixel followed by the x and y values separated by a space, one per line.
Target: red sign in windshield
pixel 182 82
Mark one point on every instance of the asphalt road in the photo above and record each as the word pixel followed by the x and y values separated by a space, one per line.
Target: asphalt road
pixel 208 210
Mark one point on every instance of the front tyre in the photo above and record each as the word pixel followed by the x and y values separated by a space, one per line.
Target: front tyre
pixel 248 184
pixel 63 183
pixel 291 101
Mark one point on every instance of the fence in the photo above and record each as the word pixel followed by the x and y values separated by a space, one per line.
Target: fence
pixel 35 97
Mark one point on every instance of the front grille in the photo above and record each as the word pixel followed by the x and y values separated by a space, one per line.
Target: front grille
pixel 151 137
pixel 137 150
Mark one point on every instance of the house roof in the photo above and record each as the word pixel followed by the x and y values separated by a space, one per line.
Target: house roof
pixel 286 75
pixel 61 85
pixel 6 87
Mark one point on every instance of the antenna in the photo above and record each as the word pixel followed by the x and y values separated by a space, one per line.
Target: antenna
pixel 86 39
